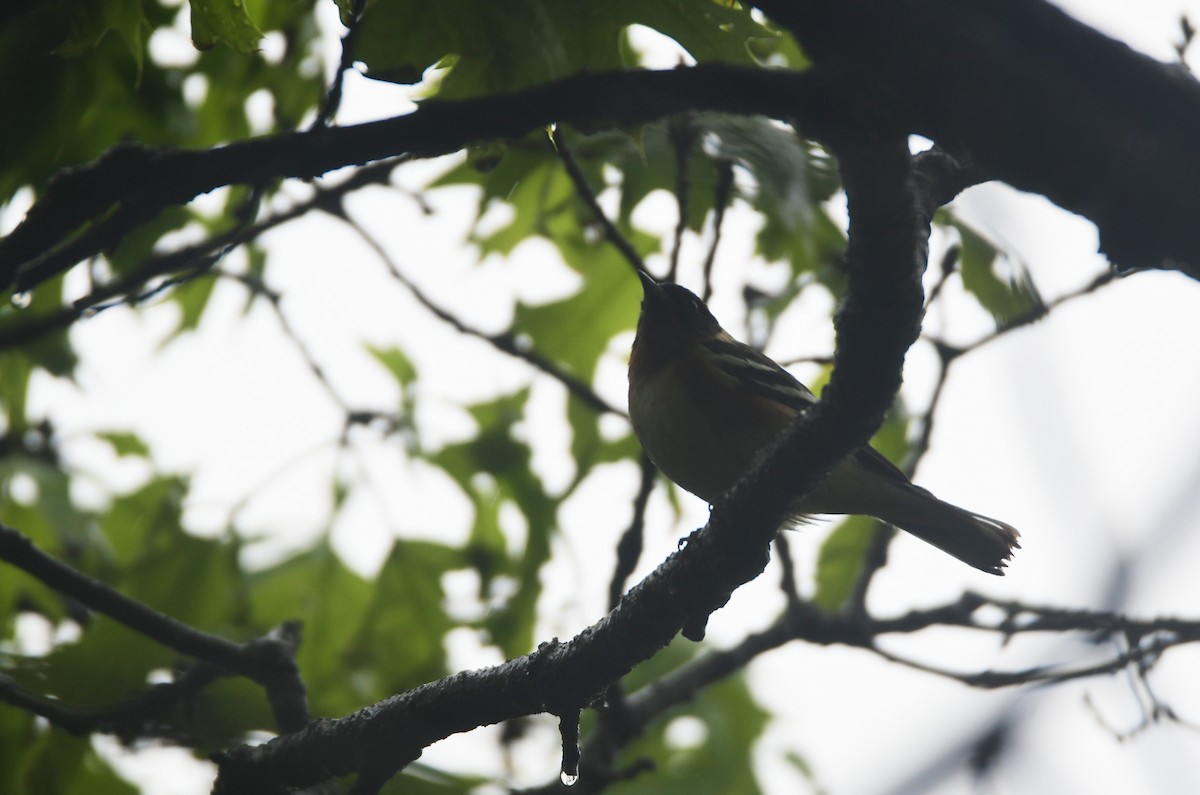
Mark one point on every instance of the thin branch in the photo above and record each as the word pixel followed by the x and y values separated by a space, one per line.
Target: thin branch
pixel 268 661
pixel 629 548
pixel 787 579
pixel 504 342
pixel 190 261
pixel 723 193
pixel 1032 316
pixel 141 182
pixel 333 97
pixel 579 179
pixel 274 300
pixel 682 133
pixel 948 268
pixel 804 622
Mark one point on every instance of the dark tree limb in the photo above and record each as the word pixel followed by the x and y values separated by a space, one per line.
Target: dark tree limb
pixel 1035 98
pixel 131 184
pixel 875 326
pixel 269 661
pixel 1038 100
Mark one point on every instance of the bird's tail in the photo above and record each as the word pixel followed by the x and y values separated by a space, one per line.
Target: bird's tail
pixel 980 541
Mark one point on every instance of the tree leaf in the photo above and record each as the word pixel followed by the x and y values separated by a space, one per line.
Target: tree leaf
pixel 575 331
pixel 397 363
pixel 493 47
pixel 125 443
pixel 840 561
pixel 1005 297
pixel 224 21
pixel 721 762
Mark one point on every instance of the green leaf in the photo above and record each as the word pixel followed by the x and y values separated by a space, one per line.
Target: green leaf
pixel 52 520
pixel 90 22
pixel 708 30
pixel 223 21
pixel 575 331
pixel 17 733
pixel 191 296
pixel 194 580
pixel 841 556
pixel 74 674
pixel 497 46
pixel 722 761
pixel 316 588
pixel 498 453
pixel 146 518
pixel 224 712
pixel 1005 297
pixel 421 779
pixel 125 443
pixel 407 611
pixel 397 363
pixel 588 447
pixel 494 47
pixel 840 561
pixel 50 351
pixel 58 762
pixel 14 386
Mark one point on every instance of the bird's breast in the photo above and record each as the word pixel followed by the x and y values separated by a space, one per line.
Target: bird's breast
pixel 698 427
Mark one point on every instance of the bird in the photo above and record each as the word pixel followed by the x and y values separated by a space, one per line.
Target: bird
pixel 704 405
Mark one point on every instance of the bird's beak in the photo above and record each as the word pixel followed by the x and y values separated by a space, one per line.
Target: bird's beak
pixel 651 290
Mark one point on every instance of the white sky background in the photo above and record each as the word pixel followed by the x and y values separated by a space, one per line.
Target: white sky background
pixel 1089 451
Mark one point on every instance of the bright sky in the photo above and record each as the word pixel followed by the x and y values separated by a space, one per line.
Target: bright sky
pixel 1088 453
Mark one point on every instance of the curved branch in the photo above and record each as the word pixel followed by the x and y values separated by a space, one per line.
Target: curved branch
pixel 875 327
pixel 1038 100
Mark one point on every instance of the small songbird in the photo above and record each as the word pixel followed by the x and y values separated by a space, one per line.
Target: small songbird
pixel 704 405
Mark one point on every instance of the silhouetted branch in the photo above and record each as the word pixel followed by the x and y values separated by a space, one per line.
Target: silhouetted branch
pixel 268 661
pixel 579 179
pixel 505 342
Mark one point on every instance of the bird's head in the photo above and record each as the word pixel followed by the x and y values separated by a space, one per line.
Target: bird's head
pixel 670 308
pixel 672 318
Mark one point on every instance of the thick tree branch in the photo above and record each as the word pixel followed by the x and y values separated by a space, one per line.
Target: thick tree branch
pixel 1037 99
pixel 131 184
pixel 875 327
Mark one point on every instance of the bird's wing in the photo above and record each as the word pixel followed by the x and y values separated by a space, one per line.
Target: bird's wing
pixel 759 374
pixel 762 376
pixel 874 461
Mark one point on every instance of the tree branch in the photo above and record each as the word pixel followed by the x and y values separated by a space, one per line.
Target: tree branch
pixel 131 184
pixel 1121 153
pixel 268 661
pixel 1038 100
pixel 875 326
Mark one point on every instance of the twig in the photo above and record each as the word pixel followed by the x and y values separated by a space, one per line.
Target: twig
pixel 723 192
pixel 629 548
pixel 504 342
pixel 333 97
pixel 611 233
pixel 953 352
pixel 268 661
pixel 787 579
pixel 274 299
pixel 190 261
pixel 682 133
